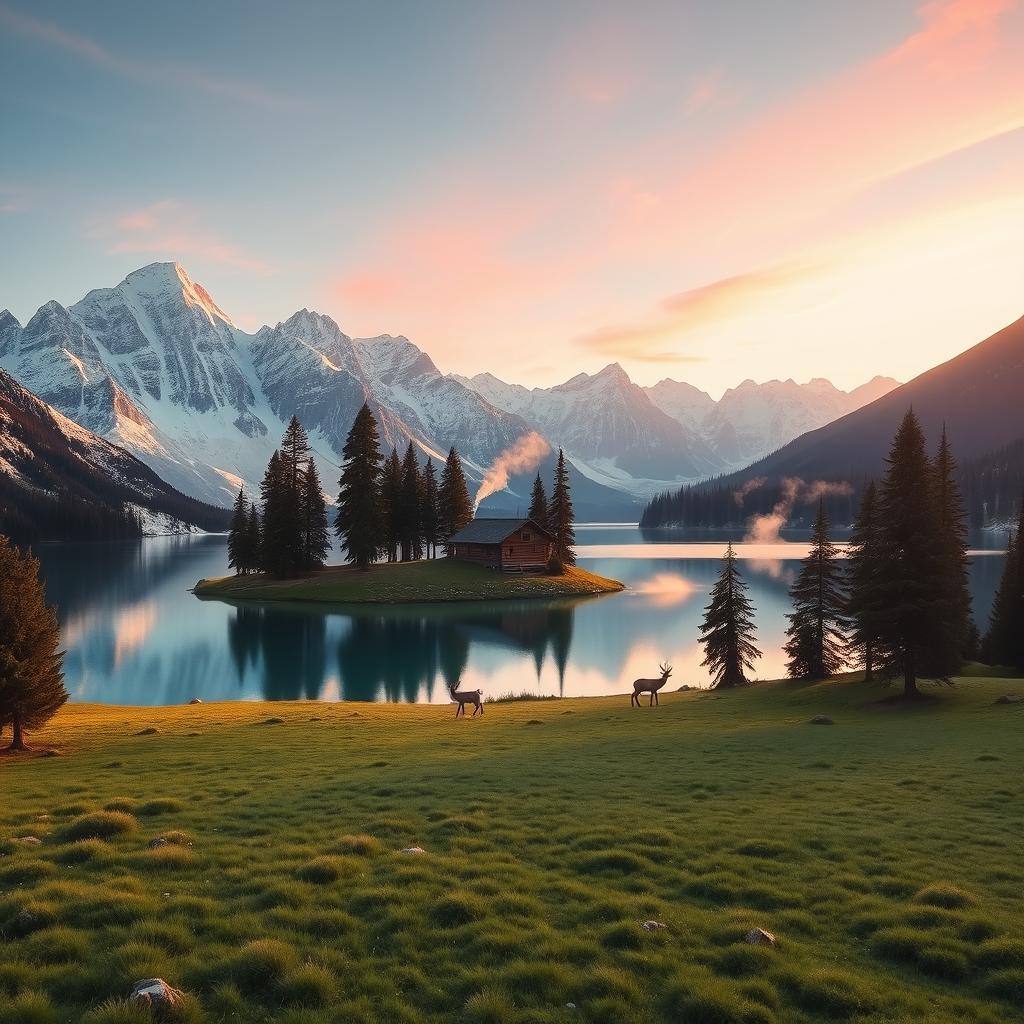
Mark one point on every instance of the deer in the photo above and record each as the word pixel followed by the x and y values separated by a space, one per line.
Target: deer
pixel 651 686
pixel 464 697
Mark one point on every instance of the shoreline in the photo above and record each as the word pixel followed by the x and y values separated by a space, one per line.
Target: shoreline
pixel 427 581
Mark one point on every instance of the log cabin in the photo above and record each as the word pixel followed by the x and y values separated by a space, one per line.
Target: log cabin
pixel 512 545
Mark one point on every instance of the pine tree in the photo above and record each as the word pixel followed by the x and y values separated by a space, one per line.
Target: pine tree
pixel 315 533
pixel 538 511
pixel 294 452
pixel 391 504
pixel 275 539
pixel 817 640
pixel 410 512
pixel 359 513
pixel 1004 642
pixel 946 655
pixel 455 504
pixel 31 666
pixel 431 510
pixel 253 540
pixel 237 551
pixel 560 516
pixel 294 455
pixel 727 631
pixel 910 578
pixel 863 566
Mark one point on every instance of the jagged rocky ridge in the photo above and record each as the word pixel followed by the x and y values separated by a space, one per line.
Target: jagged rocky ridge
pixel 60 481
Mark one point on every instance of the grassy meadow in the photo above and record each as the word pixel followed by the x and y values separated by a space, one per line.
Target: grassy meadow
pixel 884 851
pixel 435 579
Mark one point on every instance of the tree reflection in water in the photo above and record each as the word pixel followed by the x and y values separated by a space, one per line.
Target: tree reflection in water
pixel 397 654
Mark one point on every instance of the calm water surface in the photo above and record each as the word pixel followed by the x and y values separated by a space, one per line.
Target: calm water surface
pixel 135 635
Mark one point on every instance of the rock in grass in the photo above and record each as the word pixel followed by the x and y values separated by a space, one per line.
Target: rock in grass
pixel 822 720
pixel 155 844
pixel 151 731
pixel 1010 698
pixel 653 926
pixel 195 700
pixel 156 994
pixel 28 840
pixel 760 937
pixel 414 849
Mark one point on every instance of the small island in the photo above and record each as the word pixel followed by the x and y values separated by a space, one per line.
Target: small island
pixel 428 580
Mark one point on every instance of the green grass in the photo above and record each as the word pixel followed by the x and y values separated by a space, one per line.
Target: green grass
pixel 884 853
pixel 440 579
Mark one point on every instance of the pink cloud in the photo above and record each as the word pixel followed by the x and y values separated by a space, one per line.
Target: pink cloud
pixel 173 231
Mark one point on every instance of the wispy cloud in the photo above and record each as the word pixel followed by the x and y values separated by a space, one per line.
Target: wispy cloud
pixel 684 312
pixel 173 231
pixel 160 73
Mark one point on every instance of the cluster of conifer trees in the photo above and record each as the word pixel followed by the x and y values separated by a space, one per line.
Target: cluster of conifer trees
pixel 290 533
pixel 556 516
pixel 392 507
pixel 900 606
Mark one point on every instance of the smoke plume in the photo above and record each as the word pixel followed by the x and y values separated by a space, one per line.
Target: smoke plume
pixel 740 494
pixel 524 455
pixel 764 529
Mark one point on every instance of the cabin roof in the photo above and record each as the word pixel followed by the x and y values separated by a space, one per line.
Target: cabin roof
pixel 493 531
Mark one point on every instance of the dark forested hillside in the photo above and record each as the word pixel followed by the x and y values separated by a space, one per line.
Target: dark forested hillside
pixel 992 486
pixel 58 481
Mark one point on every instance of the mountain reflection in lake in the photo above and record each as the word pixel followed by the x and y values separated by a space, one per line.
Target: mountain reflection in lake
pixel 135 635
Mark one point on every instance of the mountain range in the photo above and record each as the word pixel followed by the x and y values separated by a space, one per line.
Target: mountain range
pixel 976 396
pixel 156 366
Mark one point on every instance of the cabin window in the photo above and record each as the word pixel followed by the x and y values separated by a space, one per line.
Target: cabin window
pixel 526 534
pixel 510 549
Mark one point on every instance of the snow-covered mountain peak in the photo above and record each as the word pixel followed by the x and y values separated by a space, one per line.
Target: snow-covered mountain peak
pixel 165 282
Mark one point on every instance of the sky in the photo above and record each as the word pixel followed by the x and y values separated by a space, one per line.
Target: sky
pixel 709 192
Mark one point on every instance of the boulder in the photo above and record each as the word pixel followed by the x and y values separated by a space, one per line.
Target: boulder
pixel 1010 698
pixel 156 994
pixel 414 849
pixel 653 926
pixel 154 844
pixel 760 937
pixel 29 840
pixel 195 700
pixel 822 720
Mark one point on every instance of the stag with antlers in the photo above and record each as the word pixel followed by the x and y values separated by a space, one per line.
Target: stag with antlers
pixel 651 686
pixel 464 697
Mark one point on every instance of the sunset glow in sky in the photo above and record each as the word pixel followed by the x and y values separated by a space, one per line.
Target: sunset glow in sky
pixel 704 191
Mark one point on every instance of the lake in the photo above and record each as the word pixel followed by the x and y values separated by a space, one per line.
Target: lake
pixel 135 635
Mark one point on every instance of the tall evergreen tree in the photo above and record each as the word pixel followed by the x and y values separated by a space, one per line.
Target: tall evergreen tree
pixel 727 631
pixel 253 541
pixel 817 640
pixel 359 515
pixel 294 452
pixel 910 572
pixel 946 655
pixel 456 506
pixel 560 515
pixel 391 504
pixel 863 569
pixel 277 539
pixel 237 535
pixel 538 511
pixel 1004 642
pixel 431 510
pixel 410 513
pixel 315 532
pixel 31 666
pixel 294 455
